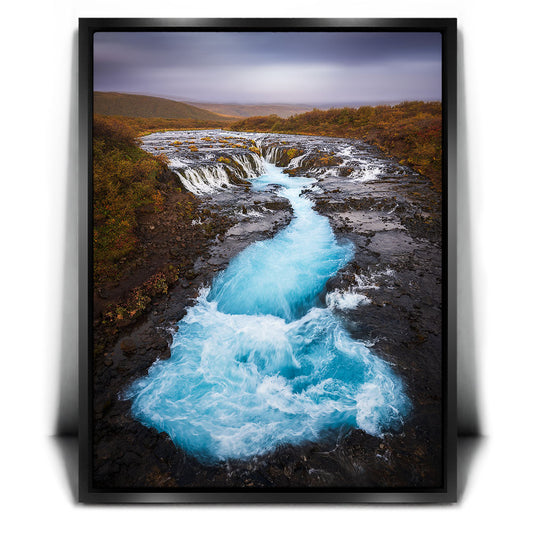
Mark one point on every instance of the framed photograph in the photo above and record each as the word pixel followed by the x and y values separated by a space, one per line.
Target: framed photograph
pixel 267 260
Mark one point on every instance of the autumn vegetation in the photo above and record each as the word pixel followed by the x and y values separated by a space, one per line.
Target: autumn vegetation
pixel 144 125
pixel 143 237
pixel 410 132
pixel 125 179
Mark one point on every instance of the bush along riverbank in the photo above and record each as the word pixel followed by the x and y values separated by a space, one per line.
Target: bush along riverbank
pixel 144 237
pixel 411 131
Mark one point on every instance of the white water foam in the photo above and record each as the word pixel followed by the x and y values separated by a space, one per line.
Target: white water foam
pixel 367 171
pixel 345 299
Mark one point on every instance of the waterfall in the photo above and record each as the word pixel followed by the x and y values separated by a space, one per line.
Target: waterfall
pixel 209 178
pixel 272 153
pixel 205 179
pixel 295 161
pixel 251 163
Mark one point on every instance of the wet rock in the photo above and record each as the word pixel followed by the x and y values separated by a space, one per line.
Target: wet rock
pixel 345 171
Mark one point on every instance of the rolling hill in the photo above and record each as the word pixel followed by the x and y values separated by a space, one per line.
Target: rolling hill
pixel 134 105
pixel 249 110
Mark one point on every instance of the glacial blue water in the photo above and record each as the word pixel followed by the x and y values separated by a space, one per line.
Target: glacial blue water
pixel 258 361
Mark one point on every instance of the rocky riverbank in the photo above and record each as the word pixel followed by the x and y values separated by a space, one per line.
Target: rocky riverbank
pixel 393 218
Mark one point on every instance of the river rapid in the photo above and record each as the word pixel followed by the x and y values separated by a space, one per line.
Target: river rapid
pixel 263 358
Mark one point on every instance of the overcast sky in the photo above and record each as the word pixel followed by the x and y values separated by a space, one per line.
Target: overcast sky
pixel 266 67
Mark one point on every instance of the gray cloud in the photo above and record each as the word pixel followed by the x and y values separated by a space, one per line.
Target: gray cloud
pixel 295 67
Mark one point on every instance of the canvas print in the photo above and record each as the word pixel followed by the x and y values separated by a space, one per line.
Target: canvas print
pixel 267 260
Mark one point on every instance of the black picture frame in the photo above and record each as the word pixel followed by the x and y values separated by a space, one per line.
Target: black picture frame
pixel 445 493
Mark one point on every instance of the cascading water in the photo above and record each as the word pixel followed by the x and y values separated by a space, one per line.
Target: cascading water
pixel 204 180
pixel 212 178
pixel 258 362
pixel 251 163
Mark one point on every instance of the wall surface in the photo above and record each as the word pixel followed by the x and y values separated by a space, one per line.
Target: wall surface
pixel 38 221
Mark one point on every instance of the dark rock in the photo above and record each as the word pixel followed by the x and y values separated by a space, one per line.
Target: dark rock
pixel 128 345
pixel 190 274
pixel 345 171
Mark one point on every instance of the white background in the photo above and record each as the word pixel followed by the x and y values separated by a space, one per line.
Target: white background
pixel 495 118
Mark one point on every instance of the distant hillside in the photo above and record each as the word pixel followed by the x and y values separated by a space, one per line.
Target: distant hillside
pixel 133 105
pixel 245 110
pixel 140 126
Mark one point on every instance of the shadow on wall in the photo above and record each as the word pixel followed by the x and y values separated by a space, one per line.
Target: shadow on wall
pixel 67 449
pixel 66 422
pixel 468 386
